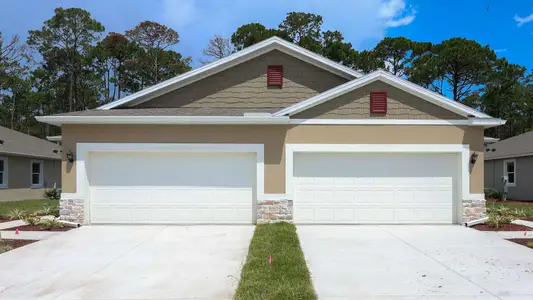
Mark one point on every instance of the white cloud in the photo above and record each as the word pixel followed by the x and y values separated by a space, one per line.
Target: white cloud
pixel 521 21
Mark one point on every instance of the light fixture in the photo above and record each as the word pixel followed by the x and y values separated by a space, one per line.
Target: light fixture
pixel 70 156
pixel 473 158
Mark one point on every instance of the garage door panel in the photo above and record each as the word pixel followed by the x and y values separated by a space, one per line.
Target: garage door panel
pixel 374 188
pixel 172 187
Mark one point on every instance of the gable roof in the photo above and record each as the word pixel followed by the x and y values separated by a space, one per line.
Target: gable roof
pixel 391 79
pixel 20 144
pixel 273 43
pixel 516 146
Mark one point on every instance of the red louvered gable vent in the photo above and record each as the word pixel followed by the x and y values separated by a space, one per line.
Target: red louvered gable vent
pixel 378 102
pixel 275 75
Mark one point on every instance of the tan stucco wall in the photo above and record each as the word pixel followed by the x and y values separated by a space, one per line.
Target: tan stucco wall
pixel 245 86
pixel 356 105
pixel 274 139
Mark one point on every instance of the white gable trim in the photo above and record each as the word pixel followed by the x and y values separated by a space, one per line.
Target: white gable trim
pixel 393 80
pixel 253 51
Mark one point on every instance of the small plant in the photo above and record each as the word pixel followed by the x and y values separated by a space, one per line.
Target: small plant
pixel 32 219
pixel 17 214
pixel 500 215
pixel 51 223
pixel 45 211
pixel 52 194
pixel 54 211
pixel 492 193
pixel 530 244
pixel 5 248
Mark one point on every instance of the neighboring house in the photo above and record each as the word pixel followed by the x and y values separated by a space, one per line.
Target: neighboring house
pixel 28 166
pixel 512 157
pixel 275 132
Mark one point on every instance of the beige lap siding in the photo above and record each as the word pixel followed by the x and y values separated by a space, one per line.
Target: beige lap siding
pixel 274 138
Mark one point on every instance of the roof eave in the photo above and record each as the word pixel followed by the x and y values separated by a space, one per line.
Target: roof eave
pixel 61 120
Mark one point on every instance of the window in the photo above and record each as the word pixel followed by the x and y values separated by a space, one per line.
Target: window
pixel 378 102
pixel 275 75
pixel 509 170
pixel 3 172
pixel 36 173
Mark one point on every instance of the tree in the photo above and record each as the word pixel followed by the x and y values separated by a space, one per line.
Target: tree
pixel 217 48
pixel 394 53
pixel 303 29
pixel 334 48
pixel 110 58
pixel 252 33
pixel 505 95
pixel 64 42
pixel 459 63
pixel 148 67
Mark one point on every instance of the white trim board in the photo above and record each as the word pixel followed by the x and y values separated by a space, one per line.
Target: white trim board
pixel 84 149
pixel 505 173
pixel 247 120
pixel 462 150
pixel 393 80
pixel 5 175
pixel 273 43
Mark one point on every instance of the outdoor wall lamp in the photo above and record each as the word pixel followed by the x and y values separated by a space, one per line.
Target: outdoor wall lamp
pixel 70 156
pixel 473 158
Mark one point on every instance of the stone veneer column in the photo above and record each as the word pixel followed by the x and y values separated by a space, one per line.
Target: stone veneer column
pixel 71 210
pixel 473 209
pixel 269 211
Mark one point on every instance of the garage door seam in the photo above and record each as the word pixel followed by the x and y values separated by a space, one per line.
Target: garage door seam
pixel 420 251
pixel 109 263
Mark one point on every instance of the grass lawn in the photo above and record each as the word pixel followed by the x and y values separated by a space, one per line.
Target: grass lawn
pixel 287 277
pixel 29 205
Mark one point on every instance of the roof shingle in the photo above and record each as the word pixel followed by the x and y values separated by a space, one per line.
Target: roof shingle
pixel 20 144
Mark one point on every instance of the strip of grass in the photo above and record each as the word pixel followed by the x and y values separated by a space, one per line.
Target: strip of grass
pixel 287 277
pixel 29 205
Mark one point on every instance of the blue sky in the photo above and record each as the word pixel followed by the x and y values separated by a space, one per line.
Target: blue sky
pixel 507 26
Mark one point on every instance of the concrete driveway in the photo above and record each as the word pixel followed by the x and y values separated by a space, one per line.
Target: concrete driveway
pixel 415 262
pixel 128 262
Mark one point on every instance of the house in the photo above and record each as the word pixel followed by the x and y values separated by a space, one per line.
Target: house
pixel 512 157
pixel 275 132
pixel 28 166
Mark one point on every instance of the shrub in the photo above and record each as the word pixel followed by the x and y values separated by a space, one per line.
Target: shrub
pixel 530 244
pixel 492 193
pixel 51 223
pixel 53 194
pixel 17 214
pixel 500 215
pixel 5 248
pixel 32 219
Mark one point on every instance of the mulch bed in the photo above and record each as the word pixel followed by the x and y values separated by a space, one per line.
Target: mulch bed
pixel 510 201
pixel 39 228
pixel 522 242
pixel 17 243
pixel 503 227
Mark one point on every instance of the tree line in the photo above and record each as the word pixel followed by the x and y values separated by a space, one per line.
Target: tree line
pixel 70 64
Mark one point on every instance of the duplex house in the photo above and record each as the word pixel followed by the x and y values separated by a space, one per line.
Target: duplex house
pixel 275 132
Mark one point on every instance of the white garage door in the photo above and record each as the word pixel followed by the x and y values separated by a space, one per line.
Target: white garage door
pixel 155 187
pixel 374 188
